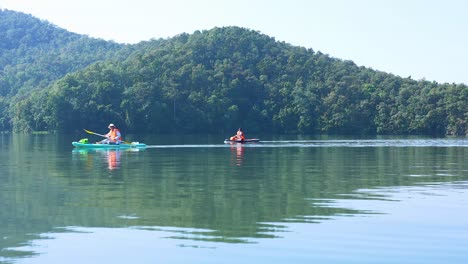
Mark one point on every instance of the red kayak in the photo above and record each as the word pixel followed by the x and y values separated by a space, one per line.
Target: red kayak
pixel 247 140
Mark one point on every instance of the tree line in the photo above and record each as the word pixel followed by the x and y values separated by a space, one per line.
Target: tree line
pixel 217 80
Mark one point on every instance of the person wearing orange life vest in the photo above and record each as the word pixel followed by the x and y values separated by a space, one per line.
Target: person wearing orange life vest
pixel 239 135
pixel 113 137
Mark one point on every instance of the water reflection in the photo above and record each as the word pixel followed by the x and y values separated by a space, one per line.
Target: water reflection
pixel 224 196
pixel 386 238
pixel 111 157
pixel 237 154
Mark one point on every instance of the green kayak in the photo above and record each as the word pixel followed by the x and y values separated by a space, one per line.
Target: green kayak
pixel 109 146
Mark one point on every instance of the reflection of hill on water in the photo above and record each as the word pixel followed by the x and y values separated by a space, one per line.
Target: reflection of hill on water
pixel 199 191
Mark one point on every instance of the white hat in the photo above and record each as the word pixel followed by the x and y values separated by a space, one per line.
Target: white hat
pixel 111 125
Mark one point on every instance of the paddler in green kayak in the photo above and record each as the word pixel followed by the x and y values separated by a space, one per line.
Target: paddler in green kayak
pixel 113 137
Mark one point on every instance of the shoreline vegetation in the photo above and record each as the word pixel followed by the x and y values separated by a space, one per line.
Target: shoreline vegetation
pixel 209 81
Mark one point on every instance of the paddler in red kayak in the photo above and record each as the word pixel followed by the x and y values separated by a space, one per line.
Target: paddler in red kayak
pixel 239 135
pixel 113 137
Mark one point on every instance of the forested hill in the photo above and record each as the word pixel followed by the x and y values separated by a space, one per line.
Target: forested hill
pixel 217 80
pixel 35 53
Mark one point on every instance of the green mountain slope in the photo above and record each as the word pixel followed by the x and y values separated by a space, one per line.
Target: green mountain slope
pixel 35 53
pixel 217 80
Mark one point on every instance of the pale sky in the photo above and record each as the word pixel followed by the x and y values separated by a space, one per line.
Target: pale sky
pixel 419 38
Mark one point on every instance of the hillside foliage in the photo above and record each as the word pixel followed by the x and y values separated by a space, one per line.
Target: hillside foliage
pixel 210 81
pixel 35 53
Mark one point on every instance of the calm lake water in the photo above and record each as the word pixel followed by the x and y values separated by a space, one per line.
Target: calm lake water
pixel 193 199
